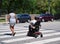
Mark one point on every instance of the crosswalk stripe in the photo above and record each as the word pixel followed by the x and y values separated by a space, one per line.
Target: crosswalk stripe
pixel 45 41
pixel 27 30
pixel 12 36
pixel 5 36
pixel 52 34
pixel 9 30
pixel 19 39
pixel 16 31
pixel 25 38
pixel 24 34
pixel 4 30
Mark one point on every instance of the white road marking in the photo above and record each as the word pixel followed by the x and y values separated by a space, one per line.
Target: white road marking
pixel 27 30
pixel 19 39
pixel 45 41
pixel 46 31
pixel 12 36
pixel 15 31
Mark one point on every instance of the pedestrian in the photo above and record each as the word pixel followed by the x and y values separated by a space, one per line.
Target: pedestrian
pixel 33 21
pixel 12 21
pixel 31 26
pixel 34 27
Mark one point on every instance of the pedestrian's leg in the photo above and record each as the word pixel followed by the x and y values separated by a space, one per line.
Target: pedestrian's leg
pixel 12 29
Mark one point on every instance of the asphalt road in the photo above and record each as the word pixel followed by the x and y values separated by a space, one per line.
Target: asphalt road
pixel 50 30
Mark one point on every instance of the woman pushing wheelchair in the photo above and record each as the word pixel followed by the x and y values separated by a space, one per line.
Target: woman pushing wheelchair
pixel 34 27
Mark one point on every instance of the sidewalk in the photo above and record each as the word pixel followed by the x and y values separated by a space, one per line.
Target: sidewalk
pixel 3 22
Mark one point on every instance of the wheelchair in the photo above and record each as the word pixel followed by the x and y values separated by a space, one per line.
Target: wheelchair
pixel 34 32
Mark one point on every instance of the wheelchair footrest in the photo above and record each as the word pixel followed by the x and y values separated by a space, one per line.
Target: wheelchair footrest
pixel 37 33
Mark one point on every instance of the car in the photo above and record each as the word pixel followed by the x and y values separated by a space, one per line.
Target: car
pixel 23 18
pixel 46 17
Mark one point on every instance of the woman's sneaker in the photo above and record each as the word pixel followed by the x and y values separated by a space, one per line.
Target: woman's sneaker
pixel 14 34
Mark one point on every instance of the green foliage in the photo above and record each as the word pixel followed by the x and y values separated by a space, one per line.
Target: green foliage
pixel 31 6
pixel 2 20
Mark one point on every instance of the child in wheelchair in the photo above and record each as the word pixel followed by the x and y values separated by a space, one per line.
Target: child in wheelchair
pixel 34 28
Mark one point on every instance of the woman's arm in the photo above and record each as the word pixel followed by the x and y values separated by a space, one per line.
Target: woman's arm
pixel 16 19
pixel 32 26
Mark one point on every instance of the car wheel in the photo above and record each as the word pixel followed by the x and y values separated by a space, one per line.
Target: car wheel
pixel 36 35
pixel 43 20
pixel 52 20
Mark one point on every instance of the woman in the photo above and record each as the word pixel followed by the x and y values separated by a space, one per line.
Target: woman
pixel 12 21
pixel 31 26
pixel 34 28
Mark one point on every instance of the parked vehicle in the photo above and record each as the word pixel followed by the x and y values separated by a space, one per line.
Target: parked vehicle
pixel 46 17
pixel 23 17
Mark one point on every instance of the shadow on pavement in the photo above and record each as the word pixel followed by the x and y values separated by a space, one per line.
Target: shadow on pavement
pixel 8 34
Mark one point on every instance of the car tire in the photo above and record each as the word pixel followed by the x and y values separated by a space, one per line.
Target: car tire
pixel 43 20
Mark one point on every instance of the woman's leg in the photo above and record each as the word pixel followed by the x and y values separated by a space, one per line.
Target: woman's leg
pixel 12 30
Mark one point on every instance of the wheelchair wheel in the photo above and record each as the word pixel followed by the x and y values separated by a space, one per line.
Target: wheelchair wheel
pixel 36 35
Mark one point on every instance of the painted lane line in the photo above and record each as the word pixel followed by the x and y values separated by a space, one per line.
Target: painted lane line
pixel 45 41
pixel 18 39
